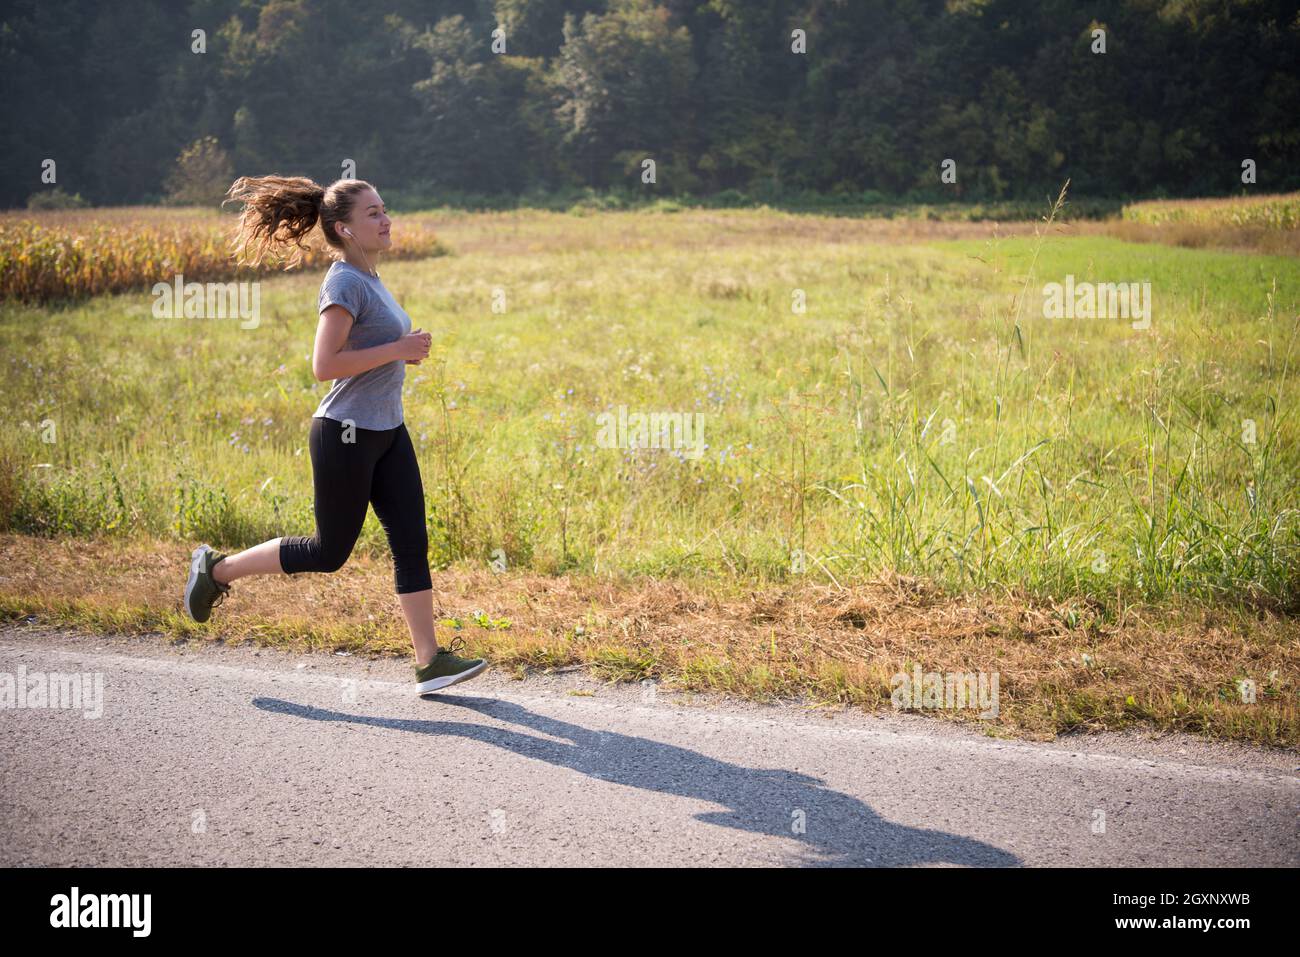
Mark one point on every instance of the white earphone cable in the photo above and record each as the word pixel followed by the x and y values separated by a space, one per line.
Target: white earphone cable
pixel 364 257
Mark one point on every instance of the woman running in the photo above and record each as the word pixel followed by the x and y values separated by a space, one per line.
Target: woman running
pixel 361 453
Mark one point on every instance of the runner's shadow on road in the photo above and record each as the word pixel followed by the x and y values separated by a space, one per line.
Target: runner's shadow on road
pixel 838 829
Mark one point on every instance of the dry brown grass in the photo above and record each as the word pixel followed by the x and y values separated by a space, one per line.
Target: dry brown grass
pixel 1192 235
pixel 513 233
pixel 1061 667
pixel 70 254
pixel 533 231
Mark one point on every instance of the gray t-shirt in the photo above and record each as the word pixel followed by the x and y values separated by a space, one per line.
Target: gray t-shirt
pixel 371 399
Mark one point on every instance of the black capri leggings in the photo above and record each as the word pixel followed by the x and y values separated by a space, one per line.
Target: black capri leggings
pixel 378 468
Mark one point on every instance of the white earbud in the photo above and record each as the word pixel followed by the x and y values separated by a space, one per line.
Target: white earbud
pixel 363 255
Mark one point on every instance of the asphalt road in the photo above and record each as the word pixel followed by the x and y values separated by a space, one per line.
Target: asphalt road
pixel 214 755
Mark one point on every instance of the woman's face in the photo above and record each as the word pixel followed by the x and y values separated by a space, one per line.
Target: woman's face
pixel 369 224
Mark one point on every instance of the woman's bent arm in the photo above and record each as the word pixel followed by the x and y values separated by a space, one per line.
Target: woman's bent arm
pixel 351 362
pixel 331 361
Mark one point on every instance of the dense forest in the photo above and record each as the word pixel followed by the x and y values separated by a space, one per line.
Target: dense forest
pixel 765 97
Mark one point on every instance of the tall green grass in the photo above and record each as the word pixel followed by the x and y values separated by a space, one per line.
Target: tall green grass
pixel 921 415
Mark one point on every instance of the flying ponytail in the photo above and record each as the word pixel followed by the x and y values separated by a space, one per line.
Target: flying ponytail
pixel 280 211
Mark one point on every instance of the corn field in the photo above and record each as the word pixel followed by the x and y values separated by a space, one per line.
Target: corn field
pixel 75 254
pixel 1279 212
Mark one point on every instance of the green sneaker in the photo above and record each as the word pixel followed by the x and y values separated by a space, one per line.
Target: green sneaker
pixel 203 591
pixel 446 669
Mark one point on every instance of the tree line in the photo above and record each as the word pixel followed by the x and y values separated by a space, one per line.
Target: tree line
pixel 761 98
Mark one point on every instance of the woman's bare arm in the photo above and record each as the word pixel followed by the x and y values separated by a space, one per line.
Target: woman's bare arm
pixel 331 361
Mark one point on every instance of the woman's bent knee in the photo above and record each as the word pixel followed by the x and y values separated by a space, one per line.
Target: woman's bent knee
pixel 333 561
pixel 300 554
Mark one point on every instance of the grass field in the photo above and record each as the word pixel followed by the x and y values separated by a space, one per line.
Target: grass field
pixel 876 398
pixel 919 415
